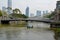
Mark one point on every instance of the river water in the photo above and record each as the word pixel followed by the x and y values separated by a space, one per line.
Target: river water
pixel 40 31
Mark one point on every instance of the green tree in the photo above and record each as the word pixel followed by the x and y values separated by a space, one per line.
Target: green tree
pixel 0 13
pixel 18 14
pixel 17 11
pixel 50 15
pixel 9 8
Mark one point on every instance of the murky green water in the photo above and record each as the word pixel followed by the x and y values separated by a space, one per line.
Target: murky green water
pixel 9 32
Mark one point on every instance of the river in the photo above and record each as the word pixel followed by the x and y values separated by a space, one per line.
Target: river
pixel 40 31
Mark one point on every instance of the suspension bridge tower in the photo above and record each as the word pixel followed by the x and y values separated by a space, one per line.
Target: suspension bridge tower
pixel 56 16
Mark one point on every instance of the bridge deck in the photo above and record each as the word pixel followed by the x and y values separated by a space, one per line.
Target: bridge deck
pixel 46 21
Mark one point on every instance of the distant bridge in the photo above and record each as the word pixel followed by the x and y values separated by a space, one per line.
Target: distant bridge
pixel 53 23
pixel 37 19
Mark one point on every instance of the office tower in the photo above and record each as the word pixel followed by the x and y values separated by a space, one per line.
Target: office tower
pixel 10 3
pixel 27 11
pixel 43 12
pixel 31 15
pixel 38 13
pixel 9 6
pixel 4 8
pixel 46 11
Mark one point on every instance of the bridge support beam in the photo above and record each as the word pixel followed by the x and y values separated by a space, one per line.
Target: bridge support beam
pixel 4 21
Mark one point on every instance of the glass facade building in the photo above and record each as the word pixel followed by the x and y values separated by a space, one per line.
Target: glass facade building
pixel 38 13
pixel 9 3
pixel 27 11
pixel 9 6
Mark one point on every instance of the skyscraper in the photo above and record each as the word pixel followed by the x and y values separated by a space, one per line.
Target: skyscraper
pixel 46 11
pixel 27 11
pixel 4 8
pixel 9 3
pixel 31 15
pixel 38 13
pixel 43 12
pixel 9 6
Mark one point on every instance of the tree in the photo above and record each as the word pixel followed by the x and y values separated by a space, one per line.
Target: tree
pixel 24 16
pixel 50 15
pixel 0 13
pixel 17 11
pixel 17 14
pixel 9 8
pixel 4 13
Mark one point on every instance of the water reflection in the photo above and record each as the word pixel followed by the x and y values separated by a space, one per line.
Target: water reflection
pixel 22 33
pixel 25 34
pixel 11 34
pixel 1 33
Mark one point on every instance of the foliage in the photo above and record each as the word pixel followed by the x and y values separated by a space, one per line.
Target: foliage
pixel 17 11
pixel 24 16
pixel 9 8
pixel 0 13
pixel 18 15
pixel 3 13
pixel 50 15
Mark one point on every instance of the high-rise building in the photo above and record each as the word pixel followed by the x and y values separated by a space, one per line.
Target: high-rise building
pixel 31 15
pixel 9 6
pixel 46 11
pixel 27 11
pixel 38 13
pixel 4 8
pixel 9 3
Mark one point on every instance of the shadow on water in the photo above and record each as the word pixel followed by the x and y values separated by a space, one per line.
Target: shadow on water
pixel 12 25
pixel 4 25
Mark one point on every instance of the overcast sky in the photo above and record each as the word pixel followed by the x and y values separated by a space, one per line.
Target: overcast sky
pixel 33 4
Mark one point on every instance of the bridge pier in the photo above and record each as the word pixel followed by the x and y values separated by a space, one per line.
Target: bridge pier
pixel 55 25
pixel 4 21
pixel 26 21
